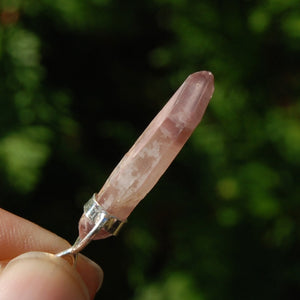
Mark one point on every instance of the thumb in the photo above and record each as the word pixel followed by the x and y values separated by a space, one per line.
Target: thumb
pixel 38 275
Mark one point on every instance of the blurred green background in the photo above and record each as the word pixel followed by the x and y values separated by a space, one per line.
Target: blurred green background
pixel 80 80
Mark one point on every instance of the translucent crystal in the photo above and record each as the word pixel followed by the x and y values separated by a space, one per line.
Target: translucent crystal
pixel 153 152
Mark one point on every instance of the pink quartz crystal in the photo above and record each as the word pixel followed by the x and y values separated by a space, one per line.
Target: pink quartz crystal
pixel 153 152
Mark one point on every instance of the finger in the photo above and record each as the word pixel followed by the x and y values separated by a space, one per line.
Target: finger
pixel 36 275
pixel 3 264
pixel 91 274
pixel 18 235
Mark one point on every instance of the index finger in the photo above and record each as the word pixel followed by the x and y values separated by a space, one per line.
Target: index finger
pixel 18 235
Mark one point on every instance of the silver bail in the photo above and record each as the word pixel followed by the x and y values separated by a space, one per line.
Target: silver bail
pixel 100 219
pixel 94 212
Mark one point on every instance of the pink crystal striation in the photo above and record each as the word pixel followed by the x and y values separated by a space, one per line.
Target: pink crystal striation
pixel 150 156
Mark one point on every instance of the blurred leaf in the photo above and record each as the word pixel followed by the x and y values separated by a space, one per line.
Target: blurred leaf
pixel 259 20
pixel 23 154
pixel 175 287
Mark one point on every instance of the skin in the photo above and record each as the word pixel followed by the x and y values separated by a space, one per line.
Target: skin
pixel 29 270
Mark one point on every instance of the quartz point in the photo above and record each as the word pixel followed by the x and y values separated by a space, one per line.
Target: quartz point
pixel 150 156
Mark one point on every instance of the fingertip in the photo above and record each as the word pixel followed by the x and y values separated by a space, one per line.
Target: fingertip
pixel 39 275
pixel 91 273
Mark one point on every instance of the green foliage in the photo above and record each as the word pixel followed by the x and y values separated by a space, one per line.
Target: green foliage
pixel 175 287
pixel 23 154
pixel 80 80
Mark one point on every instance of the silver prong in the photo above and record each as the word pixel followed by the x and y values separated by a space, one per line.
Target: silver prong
pixel 101 220
pixel 80 244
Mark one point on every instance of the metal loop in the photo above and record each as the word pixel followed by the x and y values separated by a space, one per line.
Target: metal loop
pixel 94 212
pixel 101 220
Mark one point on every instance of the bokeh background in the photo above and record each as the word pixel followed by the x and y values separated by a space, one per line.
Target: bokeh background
pixel 80 80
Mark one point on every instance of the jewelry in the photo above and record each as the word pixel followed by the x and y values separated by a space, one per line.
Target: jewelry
pixel 145 162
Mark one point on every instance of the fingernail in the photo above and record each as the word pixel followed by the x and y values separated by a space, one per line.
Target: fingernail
pixel 91 274
pixel 97 270
pixel 3 264
pixel 37 275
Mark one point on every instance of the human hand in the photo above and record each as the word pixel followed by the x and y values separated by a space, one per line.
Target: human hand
pixel 40 275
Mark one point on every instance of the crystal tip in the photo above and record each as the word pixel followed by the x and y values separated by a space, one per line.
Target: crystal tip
pixel 202 75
